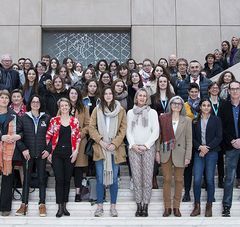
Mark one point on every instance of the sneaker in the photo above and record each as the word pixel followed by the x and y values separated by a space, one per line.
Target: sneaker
pixel 131 184
pixel 6 213
pixel 98 212
pixel 22 210
pixel 113 212
pixel 226 211
pixel 42 210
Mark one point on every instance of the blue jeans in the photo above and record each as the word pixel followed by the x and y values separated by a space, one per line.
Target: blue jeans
pixel 231 161
pixel 100 186
pixel 208 163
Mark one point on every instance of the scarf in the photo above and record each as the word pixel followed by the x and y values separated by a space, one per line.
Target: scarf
pixel 108 135
pixel 224 91
pixel 194 104
pixel 122 98
pixel 7 150
pixel 168 137
pixel 140 111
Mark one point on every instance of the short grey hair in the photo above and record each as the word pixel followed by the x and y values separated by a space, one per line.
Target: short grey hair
pixel 6 56
pixel 183 110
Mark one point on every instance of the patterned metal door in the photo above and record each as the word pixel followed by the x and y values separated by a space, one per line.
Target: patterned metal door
pixel 87 47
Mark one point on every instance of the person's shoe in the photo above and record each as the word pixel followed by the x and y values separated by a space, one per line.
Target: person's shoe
pixel 60 211
pixel 196 211
pixel 65 211
pixel 226 211
pixel 98 212
pixel 154 183
pixel 42 210
pixel 238 183
pixel 22 210
pixel 177 212
pixel 6 213
pixel 78 198
pixel 220 183
pixel 139 210
pixel 167 212
pixel 113 212
pixel 131 184
pixel 145 210
pixel 208 211
pixel 186 197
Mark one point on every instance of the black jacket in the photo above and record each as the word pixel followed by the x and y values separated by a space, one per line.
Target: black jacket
pixel 212 72
pixel 42 90
pixel 227 118
pixel 9 79
pixel 157 105
pixel 213 134
pixel 33 139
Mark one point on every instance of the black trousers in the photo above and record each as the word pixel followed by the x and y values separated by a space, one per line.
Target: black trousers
pixel 63 170
pixel 78 176
pixel 41 173
pixel 188 176
pixel 6 193
pixel 220 165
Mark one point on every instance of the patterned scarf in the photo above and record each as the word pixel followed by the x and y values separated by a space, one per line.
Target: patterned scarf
pixel 194 104
pixel 168 137
pixel 7 150
pixel 140 111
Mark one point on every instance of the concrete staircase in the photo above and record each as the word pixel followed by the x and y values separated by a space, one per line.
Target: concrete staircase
pixel 82 213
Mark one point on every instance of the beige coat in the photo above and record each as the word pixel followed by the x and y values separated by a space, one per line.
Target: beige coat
pixel 183 146
pixel 120 153
pixel 83 118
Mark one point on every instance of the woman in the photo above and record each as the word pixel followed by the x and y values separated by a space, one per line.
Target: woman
pixel 163 62
pixel 17 104
pixel 31 85
pixel 33 126
pixel 175 150
pixel 81 112
pixel 226 51
pixel 146 70
pixel 235 51
pixel 141 121
pixel 101 67
pixel 87 74
pixel 79 69
pixel 120 92
pixel 207 136
pixel 27 65
pixel 151 86
pixel 113 69
pixel 159 102
pixel 105 80
pixel 53 67
pixel 133 87
pixel 55 91
pixel 68 62
pixel 124 73
pixel 210 67
pixel 192 109
pixel 64 134
pixel 107 128
pixel 9 136
pixel 216 104
pixel 223 82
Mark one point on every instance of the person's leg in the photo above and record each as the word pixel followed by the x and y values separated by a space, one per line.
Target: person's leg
pixel 41 170
pixel 231 161
pixel 178 179
pixel 220 166
pixel 114 186
pixel 238 174
pixel 78 177
pixel 100 186
pixel 136 166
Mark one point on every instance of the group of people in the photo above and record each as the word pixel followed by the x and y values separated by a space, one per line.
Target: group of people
pixel 49 112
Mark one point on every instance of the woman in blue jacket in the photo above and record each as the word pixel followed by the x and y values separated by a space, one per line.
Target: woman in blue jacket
pixel 207 136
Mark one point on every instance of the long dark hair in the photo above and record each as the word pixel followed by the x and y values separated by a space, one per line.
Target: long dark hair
pixel 103 103
pixel 165 72
pixel 79 104
pixel 35 85
pixel 42 106
pixel 86 87
pixel 221 78
pixel 198 118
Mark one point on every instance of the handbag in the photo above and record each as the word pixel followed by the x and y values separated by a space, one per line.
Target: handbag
pixel 89 147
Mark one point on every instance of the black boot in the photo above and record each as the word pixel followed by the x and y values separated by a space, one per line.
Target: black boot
pixel 139 210
pixel 145 210
pixel 65 211
pixel 60 211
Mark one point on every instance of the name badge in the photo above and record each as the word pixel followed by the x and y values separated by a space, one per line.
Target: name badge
pixel 43 124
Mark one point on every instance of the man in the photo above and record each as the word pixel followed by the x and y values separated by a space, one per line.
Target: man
pixel 9 78
pixel 230 116
pixel 46 58
pixel 21 71
pixel 194 77
pixel 172 65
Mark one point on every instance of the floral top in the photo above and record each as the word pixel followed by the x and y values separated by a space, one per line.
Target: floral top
pixel 54 129
pixel 22 110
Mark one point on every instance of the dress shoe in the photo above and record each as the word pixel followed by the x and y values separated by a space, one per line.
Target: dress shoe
pixel 65 211
pixel 177 212
pixel 196 211
pixel 60 211
pixel 186 197
pixel 167 212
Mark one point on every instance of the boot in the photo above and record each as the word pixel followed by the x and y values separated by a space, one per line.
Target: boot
pixel 145 210
pixel 65 211
pixel 60 211
pixel 139 210
pixel 208 211
pixel 154 183
pixel 196 211
pixel 167 212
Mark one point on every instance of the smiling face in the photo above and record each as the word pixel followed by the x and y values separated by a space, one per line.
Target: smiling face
pixel 106 78
pixel 17 98
pixel 193 93
pixel 214 90
pixel 53 64
pixel 162 83
pixel 58 85
pixel 92 88
pixel 176 105
pixel 73 95
pixel 35 104
pixel 108 96
pixel 135 78
pixel 31 76
pixel 206 107
pixel 119 87
pixel 4 101
pixel 141 98
pixel 102 66
pixel 88 75
pixel 227 78
pixel 194 69
pixel 64 107
pixel 158 71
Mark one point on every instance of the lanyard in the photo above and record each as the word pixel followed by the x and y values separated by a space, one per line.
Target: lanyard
pixel 215 109
pixel 164 104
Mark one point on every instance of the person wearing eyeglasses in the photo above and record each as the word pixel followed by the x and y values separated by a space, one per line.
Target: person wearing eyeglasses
pixel 175 150
pixel 230 116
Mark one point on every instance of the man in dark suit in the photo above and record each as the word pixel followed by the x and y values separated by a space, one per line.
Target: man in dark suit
pixel 230 115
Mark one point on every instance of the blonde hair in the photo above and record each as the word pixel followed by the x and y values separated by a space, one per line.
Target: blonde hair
pixel 148 102
pixel 62 100
pixel 5 92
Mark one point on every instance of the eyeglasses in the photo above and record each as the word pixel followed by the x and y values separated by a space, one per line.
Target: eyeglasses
pixel 234 89
pixel 176 103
